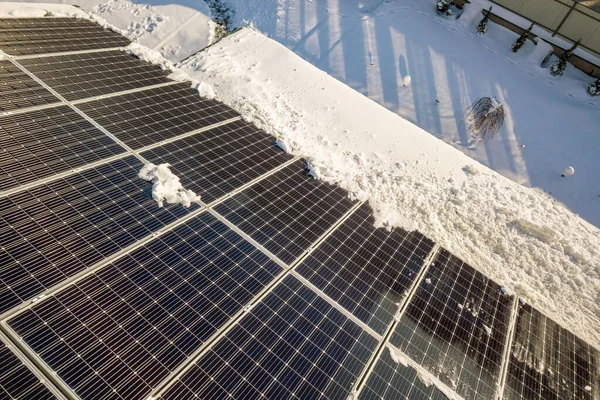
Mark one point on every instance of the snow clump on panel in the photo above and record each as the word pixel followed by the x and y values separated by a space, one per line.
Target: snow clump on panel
pixel 166 186
pixel 149 55
pixel 284 145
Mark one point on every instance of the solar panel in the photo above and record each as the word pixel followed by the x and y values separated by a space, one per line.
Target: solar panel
pixel 17 381
pixel 293 344
pixel 55 230
pixel 125 328
pixel 392 380
pixel 23 36
pixel 367 270
pixel 216 162
pixel 18 90
pixel 143 118
pixel 78 76
pixel 287 211
pixel 41 143
pixel 549 362
pixel 455 326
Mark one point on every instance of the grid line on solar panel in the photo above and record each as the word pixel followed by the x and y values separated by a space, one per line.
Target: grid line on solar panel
pixel 143 118
pixel 23 36
pixel 216 162
pixel 39 144
pixel 367 270
pixel 18 90
pixel 392 380
pixel 456 325
pixel 55 230
pixel 293 344
pixel 79 76
pixel 122 330
pixel 547 361
pixel 287 211
pixel 17 381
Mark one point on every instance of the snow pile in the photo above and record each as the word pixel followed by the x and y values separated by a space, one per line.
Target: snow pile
pixel 151 56
pixel 409 175
pixel 283 145
pixel 398 357
pixel 205 90
pixel 312 169
pixel 166 186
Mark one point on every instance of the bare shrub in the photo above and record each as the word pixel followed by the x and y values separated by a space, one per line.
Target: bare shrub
pixel 485 118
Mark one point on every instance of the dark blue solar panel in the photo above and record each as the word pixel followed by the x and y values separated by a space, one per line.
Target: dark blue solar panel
pixel 122 330
pixel 292 345
pixel 548 362
pixel 287 211
pixel 390 380
pixel 55 230
pixel 38 144
pixel 216 162
pixel 17 381
pixel 455 325
pixel 365 269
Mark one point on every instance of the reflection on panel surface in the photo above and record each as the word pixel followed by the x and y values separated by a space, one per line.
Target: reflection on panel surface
pixel 119 332
pixel 456 326
pixel 292 345
pixel 365 269
pixel 547 362
pixel 287 211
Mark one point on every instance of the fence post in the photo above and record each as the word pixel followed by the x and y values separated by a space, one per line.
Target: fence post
pixel 564 19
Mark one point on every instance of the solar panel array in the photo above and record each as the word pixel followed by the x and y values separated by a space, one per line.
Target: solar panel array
pixel 275 286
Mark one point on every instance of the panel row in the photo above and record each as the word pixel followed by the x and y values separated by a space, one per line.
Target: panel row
pixel 23 36
pixel 18 90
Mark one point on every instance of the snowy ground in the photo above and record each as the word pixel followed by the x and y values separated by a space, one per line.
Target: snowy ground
pixel 520 237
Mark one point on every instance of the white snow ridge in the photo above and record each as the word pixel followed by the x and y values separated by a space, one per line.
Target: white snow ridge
pixel 166 186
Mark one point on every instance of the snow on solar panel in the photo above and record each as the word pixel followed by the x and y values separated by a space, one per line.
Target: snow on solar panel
pixel 548 362
pixel 17 381
pixel 455 325
pixel 367 270
pixel 126 327
pixel 287 211
pixel 215 162
pixel 82 75
pixel 392 380
pixel 38 144
pixel 18 90
pixel 143 118
pixel 54 230
pixel 23 36
pixel 293 344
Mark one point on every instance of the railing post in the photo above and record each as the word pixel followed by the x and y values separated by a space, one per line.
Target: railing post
pixel 564 19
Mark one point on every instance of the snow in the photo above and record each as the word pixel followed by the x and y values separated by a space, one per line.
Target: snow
pixel 398 357
pixel 568 171
pixel 284 145
pixel 166 186
pixel 494 224
pixel 154 57
pixel 312 169
pixel 488 330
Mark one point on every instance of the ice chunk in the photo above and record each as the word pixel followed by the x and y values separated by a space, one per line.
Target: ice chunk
pixel 406 80
pixel 206 90
pixel 166 185
pixel 428 281
pixel 488 330
pixel 283 145
pixel 312 169
pixel 397 357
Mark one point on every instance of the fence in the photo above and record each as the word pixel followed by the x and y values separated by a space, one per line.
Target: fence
pixel 571 20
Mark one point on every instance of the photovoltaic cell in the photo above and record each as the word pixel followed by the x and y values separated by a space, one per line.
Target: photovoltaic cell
pixel 121 331
pixel 287 211
pixel 17 381
pixel 150 116
pixel 218 161
pixel 365 269
pixel 55 230
pixel 292 345
pixel 78 76
pixel 390 380
pixel 22 36
pixel 18 90
pixel 42 143
pixel 549 362
pixel 455 326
